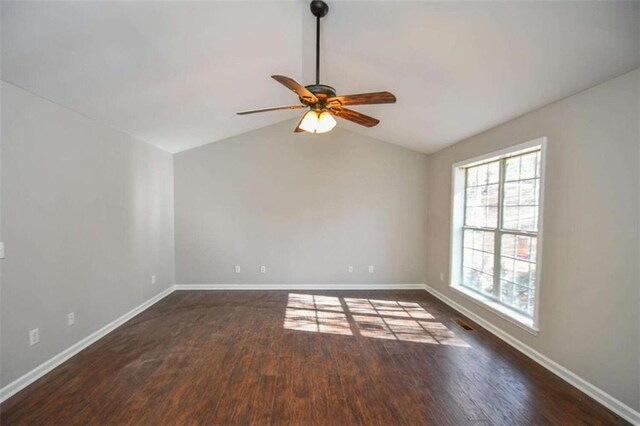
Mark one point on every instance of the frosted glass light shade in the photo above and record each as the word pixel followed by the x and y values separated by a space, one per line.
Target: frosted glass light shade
pixel 310 122
pixel 326 122
pixel 313 122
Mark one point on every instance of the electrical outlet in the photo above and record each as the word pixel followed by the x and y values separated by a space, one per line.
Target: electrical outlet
pixel 71 318
pixel 350 268
pixel 237 269
pixel 2 256
pixel 371 269
pixel 263 269
pixel 153 279
pixel 34 336
pixel 441 276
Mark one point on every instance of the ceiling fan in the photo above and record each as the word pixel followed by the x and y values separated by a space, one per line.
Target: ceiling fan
pixel 322 101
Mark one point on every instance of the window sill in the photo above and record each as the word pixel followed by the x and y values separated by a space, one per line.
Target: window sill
pixel 502 311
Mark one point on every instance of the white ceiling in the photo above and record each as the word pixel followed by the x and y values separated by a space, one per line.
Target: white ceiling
pixel 174 73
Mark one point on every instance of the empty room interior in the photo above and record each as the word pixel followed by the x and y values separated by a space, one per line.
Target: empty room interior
pixel 320 212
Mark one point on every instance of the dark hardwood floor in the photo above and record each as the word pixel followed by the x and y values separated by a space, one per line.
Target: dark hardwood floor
pixel 306 358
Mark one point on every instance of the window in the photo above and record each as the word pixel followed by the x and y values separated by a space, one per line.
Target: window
pixel 496 225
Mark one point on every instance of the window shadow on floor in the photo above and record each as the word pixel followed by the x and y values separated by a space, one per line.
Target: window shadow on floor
pixel 378 319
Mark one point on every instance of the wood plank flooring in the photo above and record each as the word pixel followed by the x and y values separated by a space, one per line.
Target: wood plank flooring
pixel 303 358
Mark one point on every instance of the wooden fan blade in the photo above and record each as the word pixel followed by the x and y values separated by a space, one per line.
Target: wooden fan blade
pixel 253 111
pixel 363 99
pixel 298 88
pixel 356 117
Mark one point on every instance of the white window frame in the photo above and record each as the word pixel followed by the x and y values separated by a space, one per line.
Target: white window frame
pixel 458 187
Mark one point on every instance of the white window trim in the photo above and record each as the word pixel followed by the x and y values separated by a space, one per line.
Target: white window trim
pixel 457 221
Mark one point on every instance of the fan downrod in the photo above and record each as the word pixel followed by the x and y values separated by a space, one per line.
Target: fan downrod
pixel 319 8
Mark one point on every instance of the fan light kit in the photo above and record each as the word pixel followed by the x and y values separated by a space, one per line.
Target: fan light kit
pixel 313 122
pixel 322 101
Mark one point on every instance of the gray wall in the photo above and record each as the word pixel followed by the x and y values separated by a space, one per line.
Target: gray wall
pixel 305 206
pixel 590 290
pixel 87 218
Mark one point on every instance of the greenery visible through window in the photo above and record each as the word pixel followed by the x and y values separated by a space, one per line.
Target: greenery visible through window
pixel 500 231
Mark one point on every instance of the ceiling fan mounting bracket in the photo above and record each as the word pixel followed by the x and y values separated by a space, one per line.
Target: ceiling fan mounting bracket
pixel 319 8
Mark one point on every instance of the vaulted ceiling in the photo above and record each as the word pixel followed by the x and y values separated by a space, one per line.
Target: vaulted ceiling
pixel 174 73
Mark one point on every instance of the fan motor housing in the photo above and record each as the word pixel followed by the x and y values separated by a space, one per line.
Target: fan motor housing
pixel 322 92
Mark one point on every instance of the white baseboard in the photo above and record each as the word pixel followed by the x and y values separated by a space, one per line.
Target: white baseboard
pixel 299 286
pixel 593 391
pixel 33 375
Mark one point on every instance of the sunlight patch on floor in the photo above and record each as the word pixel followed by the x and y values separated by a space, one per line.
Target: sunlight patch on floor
pixel 378 319
pixel 387 307
pixel 317 321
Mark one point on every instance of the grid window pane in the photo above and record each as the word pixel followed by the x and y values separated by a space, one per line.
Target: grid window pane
pixel 476 216
pixel 510 217
pixel 512 169
pixel 518 271
pixel 493 172
pixel 472 177
pixel 475 239
pixel 523 247
pixel 482 195
pixel 508 246
pixel 532 276
pixel 511 194
pixel 521 192
pixel 482 174
pixel 517 297
pixel 478 260
pixel 502 197
pixel 526 218
pixel 528 166
pixel 487 284
pixel 488 242
pixel 492 217
pixel 528 192
pixel 471 278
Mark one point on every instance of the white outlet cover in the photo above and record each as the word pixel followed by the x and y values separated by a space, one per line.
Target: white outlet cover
pixel 263 269
pixel 350 268
pixel 71 318
pixel 237 269
pixel 34 336
pixel 153 279
pixel 371 269
pixel 2 256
